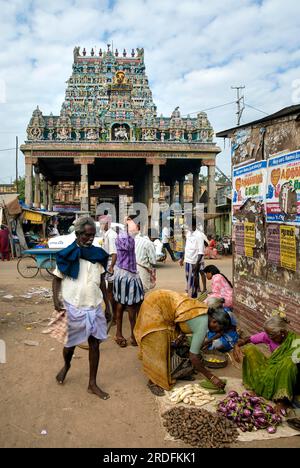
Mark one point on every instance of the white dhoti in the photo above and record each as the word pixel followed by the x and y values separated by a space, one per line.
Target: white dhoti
pixel 145 276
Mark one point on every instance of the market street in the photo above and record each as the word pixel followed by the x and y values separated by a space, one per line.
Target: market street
pixel 32 402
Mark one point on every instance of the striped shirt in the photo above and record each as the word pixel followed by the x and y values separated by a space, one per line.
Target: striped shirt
pixel 145 251
pixel 110 241
pixel 126 252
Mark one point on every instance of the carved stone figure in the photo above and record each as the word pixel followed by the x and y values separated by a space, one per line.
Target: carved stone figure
pixel 121 133
pixel 76 53
pixel 34 133
pixel 63 134
pixel 91 134
pixel 149 134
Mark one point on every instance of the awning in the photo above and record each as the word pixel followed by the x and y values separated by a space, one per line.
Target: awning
pixel 37 217
pixel 33 217
pixel 11 203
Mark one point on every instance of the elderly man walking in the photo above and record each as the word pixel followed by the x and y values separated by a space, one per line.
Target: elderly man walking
pixel 80 278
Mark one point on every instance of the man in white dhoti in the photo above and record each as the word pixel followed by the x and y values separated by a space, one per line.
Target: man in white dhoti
pixel 80 278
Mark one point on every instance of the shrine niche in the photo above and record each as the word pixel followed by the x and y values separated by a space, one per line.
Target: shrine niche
pixel 36 127
pixel 120 132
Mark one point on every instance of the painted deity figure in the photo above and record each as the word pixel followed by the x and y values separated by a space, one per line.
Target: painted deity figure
pixel 63 133
pixel 35 133
pixel 149 134
pixel 121 133
pixel 91 134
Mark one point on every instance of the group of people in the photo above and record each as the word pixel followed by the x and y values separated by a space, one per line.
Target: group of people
pixel 119 274
pixel 160 319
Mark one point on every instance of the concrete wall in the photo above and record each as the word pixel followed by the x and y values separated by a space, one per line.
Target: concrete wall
pixel 259 286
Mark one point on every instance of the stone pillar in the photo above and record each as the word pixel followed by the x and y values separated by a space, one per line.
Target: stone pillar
pixel 84 188
pixel 156 182
pixel 154 215
pixel 37 188
pixel 172 192
pixel 211 189
pixel 28 183
pixel 181 192
pixel 196 189
pixel 45 192
pixel 50 196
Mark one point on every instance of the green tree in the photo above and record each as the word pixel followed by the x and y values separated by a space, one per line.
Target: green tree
pixel 21 188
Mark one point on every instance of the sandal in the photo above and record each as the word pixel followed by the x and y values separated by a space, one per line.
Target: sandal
pixel 155 389
pixel 133 342
pixel 122 342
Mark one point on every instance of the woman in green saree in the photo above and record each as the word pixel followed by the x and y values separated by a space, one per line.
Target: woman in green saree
pixel 274 378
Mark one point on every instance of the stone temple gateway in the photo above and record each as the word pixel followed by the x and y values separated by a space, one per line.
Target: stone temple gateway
pixel 108 130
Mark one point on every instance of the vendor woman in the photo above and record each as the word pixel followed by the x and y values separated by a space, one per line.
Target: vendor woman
pixel 274 378
pixel 162 315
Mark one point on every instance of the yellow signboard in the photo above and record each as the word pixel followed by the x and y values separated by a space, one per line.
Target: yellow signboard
pixel 249 238
pixel 288 251
pixel 84 190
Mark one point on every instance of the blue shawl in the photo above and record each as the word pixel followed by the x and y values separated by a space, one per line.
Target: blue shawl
pixel 67 260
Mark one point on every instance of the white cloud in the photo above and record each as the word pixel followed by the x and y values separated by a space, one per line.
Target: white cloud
pixel 194 51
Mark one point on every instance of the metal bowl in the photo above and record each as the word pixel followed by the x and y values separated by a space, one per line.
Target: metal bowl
pixel 208 357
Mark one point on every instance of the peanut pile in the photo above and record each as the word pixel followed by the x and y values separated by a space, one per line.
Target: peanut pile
pixel 200 428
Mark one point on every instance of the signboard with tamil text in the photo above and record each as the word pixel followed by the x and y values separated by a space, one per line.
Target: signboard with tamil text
pixel 283 189
pixel 248 182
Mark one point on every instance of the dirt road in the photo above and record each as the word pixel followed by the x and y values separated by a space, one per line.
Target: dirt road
pixel 32 402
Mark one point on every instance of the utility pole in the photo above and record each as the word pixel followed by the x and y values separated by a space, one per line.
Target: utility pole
pixel 224 175
pixel 17 149
pixel 239 102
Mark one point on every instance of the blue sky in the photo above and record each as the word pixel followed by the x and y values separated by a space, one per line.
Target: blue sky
pixel 195 51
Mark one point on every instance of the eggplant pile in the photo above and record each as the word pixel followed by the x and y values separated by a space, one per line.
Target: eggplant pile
pixel 250 413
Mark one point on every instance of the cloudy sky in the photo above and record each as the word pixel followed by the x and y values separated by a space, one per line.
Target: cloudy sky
pixel 195 50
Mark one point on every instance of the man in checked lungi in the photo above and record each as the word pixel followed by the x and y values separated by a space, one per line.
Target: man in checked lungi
pixel 192 260
pixel 80 279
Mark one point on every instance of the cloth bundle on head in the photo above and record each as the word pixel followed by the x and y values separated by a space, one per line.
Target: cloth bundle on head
pixel 105 219
pixel 132 227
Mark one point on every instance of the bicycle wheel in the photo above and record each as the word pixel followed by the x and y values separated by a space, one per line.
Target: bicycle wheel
pixel 47 267
pixel 27 266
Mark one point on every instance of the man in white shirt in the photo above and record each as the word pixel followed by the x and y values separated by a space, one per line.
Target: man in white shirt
pixel 166 242
pixel 80 278
pixel 145 259
pixel 201 264
pixel 191 260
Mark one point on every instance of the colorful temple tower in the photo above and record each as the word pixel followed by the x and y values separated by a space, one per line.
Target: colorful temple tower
pixel 108 114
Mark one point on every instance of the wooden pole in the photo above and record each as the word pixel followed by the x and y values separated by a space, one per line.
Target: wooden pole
pixel 17 175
